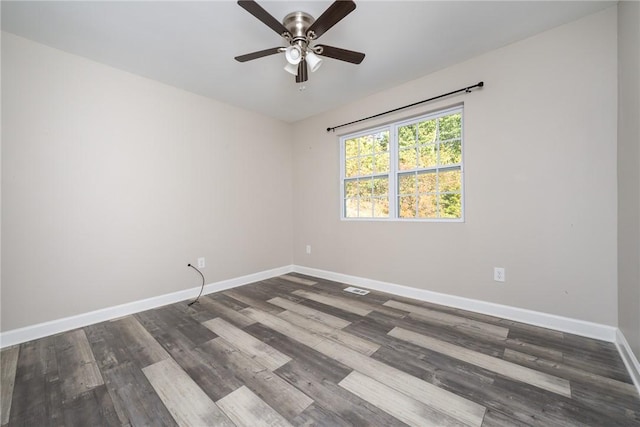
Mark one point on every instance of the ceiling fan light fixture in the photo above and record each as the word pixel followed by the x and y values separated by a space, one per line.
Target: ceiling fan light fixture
pixel 293 54
pixel 291 68
pixel 314 61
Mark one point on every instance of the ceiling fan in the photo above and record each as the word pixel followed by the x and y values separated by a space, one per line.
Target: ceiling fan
pixel 300 30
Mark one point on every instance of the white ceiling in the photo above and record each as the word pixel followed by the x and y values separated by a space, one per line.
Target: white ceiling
pixel 191 45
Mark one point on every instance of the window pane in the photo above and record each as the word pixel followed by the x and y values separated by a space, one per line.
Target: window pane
pixel 382 163
pixel 351 208
pixel 381 207
pixel 407 136
pixel 350 188
pixel 427 182
pixel 428 156
pixel 450 206
pixel 380 186
pixel 366 144
pixel 366 208
pixel 365 188
pixel 382 142
pixel 407 184
pixel 351 167
pixel 407 206
pixel 450 126
pixel 449 180
pixel 350 148
pixel 427 206
pixel 407 159
pixel 366 165
pixel 427 132
pixel 450 152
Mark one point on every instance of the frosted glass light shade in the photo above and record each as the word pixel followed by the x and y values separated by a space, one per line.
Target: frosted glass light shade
pixel 293 54
pixel 314 61
pixel 291 68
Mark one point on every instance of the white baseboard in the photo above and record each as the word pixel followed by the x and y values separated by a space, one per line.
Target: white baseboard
pixel 545 320
pixel 629 359
pixel 17 336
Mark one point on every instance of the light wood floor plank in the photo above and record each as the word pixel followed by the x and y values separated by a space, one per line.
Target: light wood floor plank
pixel 462 409
pixel 186 402
pixel 298 280
pixel 352 341
pixel 246 409
pixel 8 364
pixel 451 404
pixel 76 363
pixel 344 304
pixel 311 313
pixel 397 404
pixel 264 354
pixel 493 364
pixel 447 319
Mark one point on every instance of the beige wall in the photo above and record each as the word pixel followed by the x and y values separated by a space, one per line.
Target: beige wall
pixel 112 183
pixel 540 162
pixel 628 172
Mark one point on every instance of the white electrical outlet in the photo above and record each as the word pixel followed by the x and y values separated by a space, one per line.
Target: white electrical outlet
pixel 498 274
pixel 201 263
pixel 308 249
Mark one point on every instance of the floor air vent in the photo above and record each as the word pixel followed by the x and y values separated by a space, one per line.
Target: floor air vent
pixel 357 291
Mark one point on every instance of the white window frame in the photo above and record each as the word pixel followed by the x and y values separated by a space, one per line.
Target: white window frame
pixel 394 172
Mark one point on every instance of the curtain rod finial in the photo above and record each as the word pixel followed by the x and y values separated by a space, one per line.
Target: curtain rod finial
pixel 480 84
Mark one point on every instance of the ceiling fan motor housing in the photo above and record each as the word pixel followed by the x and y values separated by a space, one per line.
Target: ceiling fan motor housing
pixel 297 23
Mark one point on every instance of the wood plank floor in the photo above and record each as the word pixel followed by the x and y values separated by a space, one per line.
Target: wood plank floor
pixel 296 350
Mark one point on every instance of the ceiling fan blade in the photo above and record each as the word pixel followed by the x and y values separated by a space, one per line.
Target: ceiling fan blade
pixel 302 75
pixel 330 17
pixel 256 10
pixel 341 54
pixel 258 54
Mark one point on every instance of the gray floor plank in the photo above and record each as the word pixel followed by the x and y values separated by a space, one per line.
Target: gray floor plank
pixel 352 341
pixel 282 396
pixel 328 395
pixel 227 313
pixel 262 353
pixel 139 341
pixel 91 408
pixel 298 280
pixel 470 325
pixel 314 362
pixel 502 367
pixel 310 313
pixel 76 363
pixel 134 399
pixel 37 396
pixel 8 365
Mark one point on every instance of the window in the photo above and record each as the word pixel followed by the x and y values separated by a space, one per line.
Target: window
pixel 407 170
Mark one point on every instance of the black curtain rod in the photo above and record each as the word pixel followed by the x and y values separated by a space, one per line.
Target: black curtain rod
pixel 466 89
